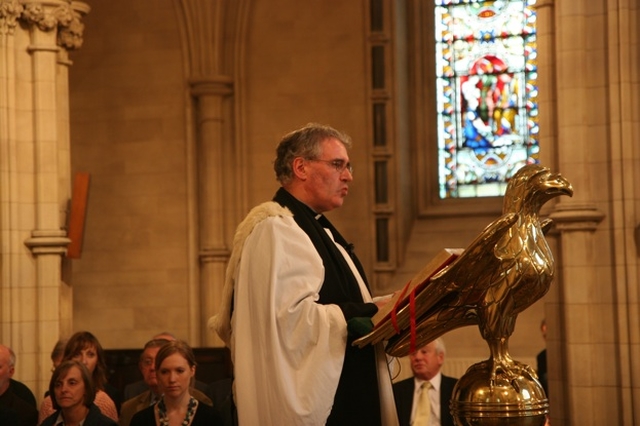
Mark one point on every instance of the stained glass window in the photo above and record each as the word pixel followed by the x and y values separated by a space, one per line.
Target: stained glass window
pixel 487 94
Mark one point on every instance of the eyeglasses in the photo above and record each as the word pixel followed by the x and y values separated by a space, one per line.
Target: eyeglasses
pixel 339 165
pixel 148 362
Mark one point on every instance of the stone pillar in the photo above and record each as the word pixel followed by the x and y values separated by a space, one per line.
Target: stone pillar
pixel 69 39
pixel 568 309
pixel 34 170
pixel 16 279
pixel 594 317
pixel 213 30
pixel 212 163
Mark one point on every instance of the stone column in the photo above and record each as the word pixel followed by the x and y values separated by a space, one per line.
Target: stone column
pixel 590 325
pixel 34 168
pixel 212 164
pixel 16 282
pixel 70 33
pixel 212 29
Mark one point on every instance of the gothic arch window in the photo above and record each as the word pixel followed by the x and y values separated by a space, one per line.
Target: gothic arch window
pixel 486 94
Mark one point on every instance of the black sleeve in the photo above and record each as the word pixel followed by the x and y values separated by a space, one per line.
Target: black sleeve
pixel 353 309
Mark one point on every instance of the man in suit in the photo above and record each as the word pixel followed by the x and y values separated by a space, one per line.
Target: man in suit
pixel 14 408
pixel 423 400
pixel 541 360
pixel 152 394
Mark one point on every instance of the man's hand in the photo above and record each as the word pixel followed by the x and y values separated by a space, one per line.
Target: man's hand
pixel 380 301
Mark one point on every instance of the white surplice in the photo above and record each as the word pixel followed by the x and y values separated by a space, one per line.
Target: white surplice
pixel 287 349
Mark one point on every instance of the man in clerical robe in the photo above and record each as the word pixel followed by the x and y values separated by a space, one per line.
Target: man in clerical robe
pixel 294 290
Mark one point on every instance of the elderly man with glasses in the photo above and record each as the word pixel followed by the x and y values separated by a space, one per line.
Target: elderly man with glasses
pixel 294 289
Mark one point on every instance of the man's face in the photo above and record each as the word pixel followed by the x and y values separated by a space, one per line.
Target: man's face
pixel 327 186
pixel 6 369
pixel 147 367
pixel 425 362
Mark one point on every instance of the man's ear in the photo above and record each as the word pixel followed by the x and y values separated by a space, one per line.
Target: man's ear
pixel 299 168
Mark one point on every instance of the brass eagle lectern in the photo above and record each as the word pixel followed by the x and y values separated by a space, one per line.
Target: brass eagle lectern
pixel 503 271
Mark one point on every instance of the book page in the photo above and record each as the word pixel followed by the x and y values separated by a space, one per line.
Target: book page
pixel 401 297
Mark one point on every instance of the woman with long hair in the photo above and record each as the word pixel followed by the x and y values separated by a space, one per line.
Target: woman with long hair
pixel 175 370
pixel 85 348
pixel 72 394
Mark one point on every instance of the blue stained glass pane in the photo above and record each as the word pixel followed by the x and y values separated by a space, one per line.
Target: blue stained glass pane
pixel 487 94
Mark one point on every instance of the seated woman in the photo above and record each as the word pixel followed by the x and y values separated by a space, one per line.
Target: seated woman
pixel 175 371
pixel 72 394
pixel 85 348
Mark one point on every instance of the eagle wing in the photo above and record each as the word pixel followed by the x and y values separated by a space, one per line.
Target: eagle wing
pixel 449 299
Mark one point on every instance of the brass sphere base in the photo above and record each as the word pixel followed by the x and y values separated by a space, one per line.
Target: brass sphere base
pixel 514 398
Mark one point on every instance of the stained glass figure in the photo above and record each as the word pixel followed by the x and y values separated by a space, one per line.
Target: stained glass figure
pixel 487 94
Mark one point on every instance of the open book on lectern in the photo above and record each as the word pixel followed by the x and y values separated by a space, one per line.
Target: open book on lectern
pixel 389 317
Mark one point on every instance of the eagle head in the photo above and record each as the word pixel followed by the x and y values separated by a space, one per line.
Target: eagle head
pixel 532 186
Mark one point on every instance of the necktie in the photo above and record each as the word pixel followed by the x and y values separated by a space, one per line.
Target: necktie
pixel 423 412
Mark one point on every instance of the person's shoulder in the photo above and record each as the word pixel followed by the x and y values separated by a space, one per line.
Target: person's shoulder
pixel 131 404
pixel 268 209
pixel 50 420
pixel 142 417
pixel 22 391
pixel 401 384
pixel 449 381
pixel 14 401
pixel 207 413
pixel 134 389
pixel 201 396
pixel 261 212
pixel 95 417
pixel 272 231
pixel 131 401
pixel 103 398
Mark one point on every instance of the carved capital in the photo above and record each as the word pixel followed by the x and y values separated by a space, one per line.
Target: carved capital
pixel 10 11
pixel 44 15
pixel 61 16
pixel 70 36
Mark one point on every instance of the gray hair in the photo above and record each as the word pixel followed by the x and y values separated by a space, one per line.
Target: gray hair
pixel 12 357
pixel 305 143
pixel 153 343
pixel 440 348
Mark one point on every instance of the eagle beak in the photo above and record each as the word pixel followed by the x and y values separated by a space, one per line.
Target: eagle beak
pixel 558 185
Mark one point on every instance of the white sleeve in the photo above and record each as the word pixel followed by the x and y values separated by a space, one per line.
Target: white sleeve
pixel 288 350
